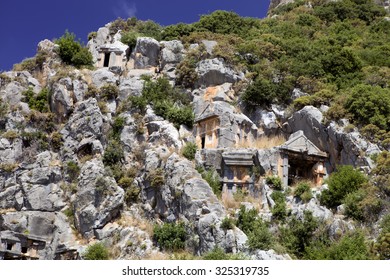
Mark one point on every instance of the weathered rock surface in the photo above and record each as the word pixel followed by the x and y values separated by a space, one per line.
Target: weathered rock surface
pixel 61 101
pixel 98 199
pixel 343 148
pixel 103 76
pixel 171 53
pixel 214 72
pixel 85 123
pixel 146 53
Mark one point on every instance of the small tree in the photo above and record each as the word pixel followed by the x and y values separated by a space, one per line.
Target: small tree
pixel 170 236
pixel 96 251
pixel 189 150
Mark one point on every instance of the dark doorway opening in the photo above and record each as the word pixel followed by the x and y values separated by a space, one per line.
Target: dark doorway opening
pixel 24 250
pixel 9 246
pixel 203 141
pixel 299 169
pixel 106 59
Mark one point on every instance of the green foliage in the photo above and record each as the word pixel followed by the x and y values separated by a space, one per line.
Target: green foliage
pixel 352 246
pixel 279 211
pixel 297 235
pixel 38 101
pixel 130 39
pixel 189 150
pixel 177 31
pixel 73 170
pixel 113 154
pixel 96 251
pixel 363 105
pixel 227 223
pixel 341 183
pixel 275 182
pixel 259 236
pixel 109 91
pixel 303 191
pixel 214 181
pixel 117 127
pixel 224 22
pixel 156 177
pixel 170 236
pixel 72 52
pixel 166 101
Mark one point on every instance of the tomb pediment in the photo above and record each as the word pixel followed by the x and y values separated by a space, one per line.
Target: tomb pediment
pixel 298 143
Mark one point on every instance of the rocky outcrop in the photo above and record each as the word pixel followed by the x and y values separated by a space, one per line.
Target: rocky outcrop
pixel 61 101
pixel 171 54
pixel 85 123
pixel 213 72
pixel 343 148
pixel 98 199
pixel 146 53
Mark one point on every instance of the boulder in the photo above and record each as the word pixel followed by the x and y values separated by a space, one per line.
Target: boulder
pixel 146 53
pixel 163 131
pixel 86 122
pixel 268 255
pixel 213 72
pixel 98 198
pixel 171 53
pixel 12 94
pixel 61 101
pixel 103 76
pixel 130 86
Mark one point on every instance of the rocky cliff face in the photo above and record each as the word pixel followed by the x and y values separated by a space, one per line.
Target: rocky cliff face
pixel 66 178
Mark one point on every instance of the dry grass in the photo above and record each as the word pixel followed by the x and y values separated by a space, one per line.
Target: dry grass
pixel 229 202
pixel 233 201
pixel 8 210
pixel 129 221
pixel 263 142
pixel 157 256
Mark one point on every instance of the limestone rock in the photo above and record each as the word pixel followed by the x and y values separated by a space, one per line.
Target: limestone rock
pixel 163 131
pixel 12 93
pixel 268 255
pixel 343 148
pixel 61 101
pixel 146 53
pixel 214 72
pixel 98 198
pixel 171 53
pixel 103 76
pixel 130 86
pixel 85 123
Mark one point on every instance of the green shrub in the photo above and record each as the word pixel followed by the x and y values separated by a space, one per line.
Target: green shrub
pixel 279 211
pixel 352 246
pixel 156 177
pixel 71 51
pixel 259 236
pixel 297 235
pixel 303 191
pixel 39 102
pixel 117 127
pixel 92 35
pixel 109 91
pixel 227 223
pixel 96 251
pixel 189 150
pixel 130 39
pixel 73 170
pixel 214 181
pixel 170 236
pixel 56 140
pixel 132 194
pixel 113 154
pixel 275 182
pixel 342 182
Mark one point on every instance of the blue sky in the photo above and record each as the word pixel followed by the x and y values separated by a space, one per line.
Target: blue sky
pixel 24 23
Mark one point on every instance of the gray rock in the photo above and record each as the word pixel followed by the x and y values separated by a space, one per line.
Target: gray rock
pixel 343 148
pixel 268 255
pixel 171 53
pixel 214 72
pixel 209 45
pixel 320 212
pixel 61 101
pixel 146 53
pixel 130 86
pixel 85 123
pixel 103 76
pixel 163 131
pixel 98 198
pixel 10 151
pixel 12 93
pixel 80 87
